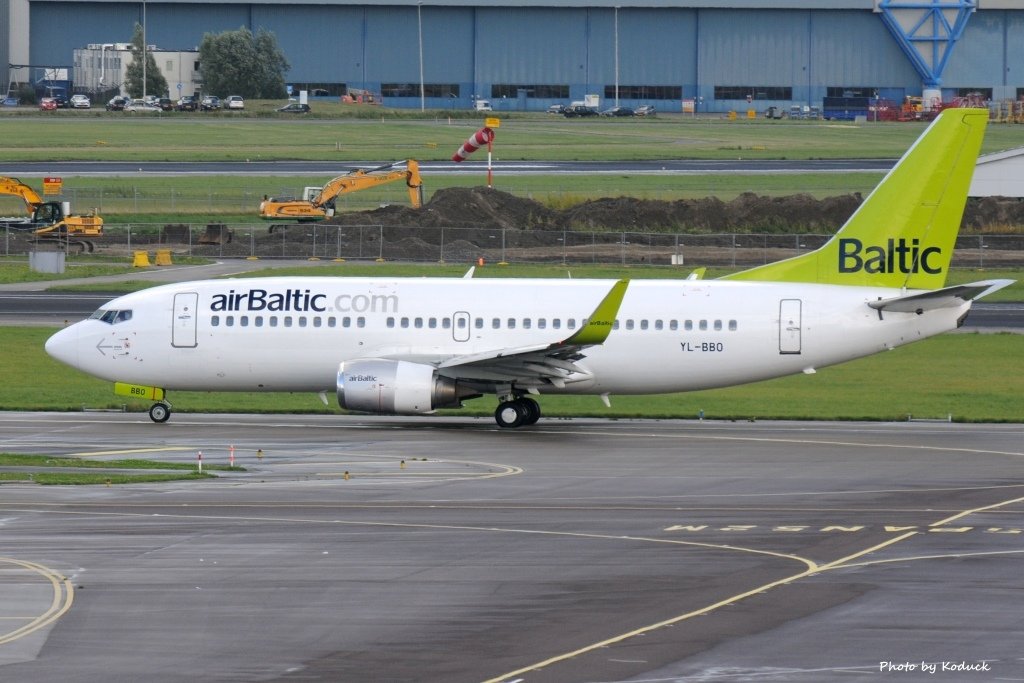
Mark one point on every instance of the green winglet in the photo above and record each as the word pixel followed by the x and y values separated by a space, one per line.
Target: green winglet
pixel 599 324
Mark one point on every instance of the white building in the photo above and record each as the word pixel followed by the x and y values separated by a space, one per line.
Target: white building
pixel 102 66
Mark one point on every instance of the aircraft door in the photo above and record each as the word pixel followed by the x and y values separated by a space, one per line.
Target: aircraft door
pixel 183 330
pixel 460 326
pixel 789 326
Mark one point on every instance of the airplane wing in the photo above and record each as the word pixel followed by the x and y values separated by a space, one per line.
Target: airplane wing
pixel 939 298
pixel 553 363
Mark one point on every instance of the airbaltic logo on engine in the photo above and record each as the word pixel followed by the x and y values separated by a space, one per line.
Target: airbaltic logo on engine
pixel 896 257
pixel 302 301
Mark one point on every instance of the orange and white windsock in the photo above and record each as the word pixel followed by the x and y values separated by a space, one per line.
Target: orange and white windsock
pixel 477 140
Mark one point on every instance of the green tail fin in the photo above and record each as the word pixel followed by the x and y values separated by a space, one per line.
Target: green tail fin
pixel 903 234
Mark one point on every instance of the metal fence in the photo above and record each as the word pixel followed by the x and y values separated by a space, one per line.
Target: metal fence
pixel 467 245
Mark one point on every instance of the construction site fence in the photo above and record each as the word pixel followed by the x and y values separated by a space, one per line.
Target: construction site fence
pixel 469 245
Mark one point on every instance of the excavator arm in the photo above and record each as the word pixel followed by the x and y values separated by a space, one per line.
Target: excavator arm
pixel 322 204
pixel 14 187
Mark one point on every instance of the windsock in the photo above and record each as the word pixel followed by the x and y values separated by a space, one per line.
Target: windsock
pixel 476 141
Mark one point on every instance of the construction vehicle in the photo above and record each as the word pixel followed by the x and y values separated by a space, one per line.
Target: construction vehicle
pixel 51 221
pixel 318 202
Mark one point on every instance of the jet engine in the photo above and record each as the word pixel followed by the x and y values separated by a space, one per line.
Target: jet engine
pixel 378 385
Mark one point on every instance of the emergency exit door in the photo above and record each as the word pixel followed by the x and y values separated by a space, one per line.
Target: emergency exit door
pixel 789 326
pixel 183 330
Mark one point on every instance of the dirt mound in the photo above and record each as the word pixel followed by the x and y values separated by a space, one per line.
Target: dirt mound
pixel 488 209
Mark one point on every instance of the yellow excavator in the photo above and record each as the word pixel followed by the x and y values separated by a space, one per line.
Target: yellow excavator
pixel 319 201
pixel 51 221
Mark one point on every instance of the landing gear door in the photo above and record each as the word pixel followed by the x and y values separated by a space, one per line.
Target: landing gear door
pixel 789 326
pixel 183 332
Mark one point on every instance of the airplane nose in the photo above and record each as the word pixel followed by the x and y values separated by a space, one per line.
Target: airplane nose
pixel 64 346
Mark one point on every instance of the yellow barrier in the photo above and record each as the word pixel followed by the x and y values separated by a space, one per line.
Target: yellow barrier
pixel 141 260
pixel 163 257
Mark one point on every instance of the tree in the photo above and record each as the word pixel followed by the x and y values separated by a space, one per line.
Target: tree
pixel 156 84
pixel 240 63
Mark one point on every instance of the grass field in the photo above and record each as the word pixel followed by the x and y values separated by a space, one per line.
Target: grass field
pixel 398 135
pixel 970 377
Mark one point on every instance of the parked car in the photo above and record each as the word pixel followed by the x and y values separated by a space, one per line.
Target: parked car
pixel 117 103
pixel 618 111
pixel 295 108
pixel 234 102
pixel 578 110
pixel 152 99
pixel 165 104
pixel 556 109
pixel 644 110
pixel 47 104
pixel 209 103
pixel 141 107
pixel 187 103
pixel 80 102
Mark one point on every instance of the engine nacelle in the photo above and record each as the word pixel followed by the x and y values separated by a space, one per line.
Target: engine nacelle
pixel 377 385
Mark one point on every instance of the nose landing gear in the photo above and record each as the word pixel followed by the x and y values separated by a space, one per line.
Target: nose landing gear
pixel 160 412
pixel 519 412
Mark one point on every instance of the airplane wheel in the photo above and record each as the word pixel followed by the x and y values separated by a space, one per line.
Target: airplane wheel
pixel 510 414
pixel 532 411
pixel 160 412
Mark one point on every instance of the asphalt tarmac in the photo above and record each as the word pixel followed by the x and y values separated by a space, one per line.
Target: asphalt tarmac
pixel 578 550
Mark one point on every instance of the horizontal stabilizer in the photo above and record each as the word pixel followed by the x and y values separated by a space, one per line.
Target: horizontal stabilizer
pixel 939 298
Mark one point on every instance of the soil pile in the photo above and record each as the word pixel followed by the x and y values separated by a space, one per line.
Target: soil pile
pixel 486 208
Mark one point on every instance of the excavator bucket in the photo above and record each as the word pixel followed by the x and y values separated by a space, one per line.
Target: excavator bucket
pixel 216 233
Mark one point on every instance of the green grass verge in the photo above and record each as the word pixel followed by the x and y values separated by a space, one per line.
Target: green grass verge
pixel 66 470
pixel 971 377
pixel 401 134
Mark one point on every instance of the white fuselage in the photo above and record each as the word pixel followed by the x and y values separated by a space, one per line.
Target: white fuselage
pixel 290 334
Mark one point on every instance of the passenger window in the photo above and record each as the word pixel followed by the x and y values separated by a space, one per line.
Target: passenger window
pixel 659 325
pixel 732 325
pixel 527 323
pixel 229 321
pixel 703 325
pixel 673 325
pixel 629 324
pixel 273 321
pixel 332 321
pixel 214 321
pixel 571 323
pixel 688 325
pixel 360 321
pixel 542 323
pixel 718 325
pixel 496 324
pixel 258 320
pixel 556 324
pixel 318 322
pixel 287 321
pixel 432 323
pixel 446 323
pixel 391 322
pixel 345 322
pixel 461 323
pixel 418 323
pixel 643 324
pixel 511 323
pixel 405 323
pixel 243 321
pixel 615 325
pixel 302 321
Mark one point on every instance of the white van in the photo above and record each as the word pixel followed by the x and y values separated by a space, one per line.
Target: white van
pixel 482 105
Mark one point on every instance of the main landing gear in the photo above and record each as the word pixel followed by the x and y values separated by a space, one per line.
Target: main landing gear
pixel 518 412
pixel 160 412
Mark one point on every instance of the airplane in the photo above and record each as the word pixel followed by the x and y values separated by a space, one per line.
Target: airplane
pixel 415 345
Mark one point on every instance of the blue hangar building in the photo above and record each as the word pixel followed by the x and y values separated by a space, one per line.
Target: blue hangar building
pixel 713 55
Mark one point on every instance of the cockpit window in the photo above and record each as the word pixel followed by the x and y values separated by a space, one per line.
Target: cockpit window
pixel 111 317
